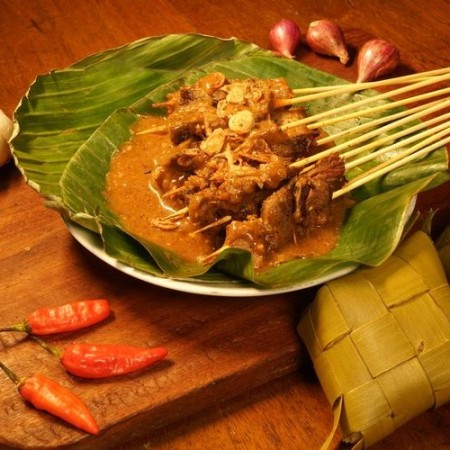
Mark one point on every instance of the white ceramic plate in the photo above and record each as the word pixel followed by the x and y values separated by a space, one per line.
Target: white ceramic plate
pixel 92 243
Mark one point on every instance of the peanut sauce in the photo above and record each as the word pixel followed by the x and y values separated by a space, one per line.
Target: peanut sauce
pixel 132 198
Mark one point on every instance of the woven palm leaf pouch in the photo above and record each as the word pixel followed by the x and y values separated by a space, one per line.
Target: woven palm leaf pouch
pixel 379 340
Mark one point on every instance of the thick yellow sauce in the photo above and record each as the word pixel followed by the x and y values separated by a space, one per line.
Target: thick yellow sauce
pixel 132 198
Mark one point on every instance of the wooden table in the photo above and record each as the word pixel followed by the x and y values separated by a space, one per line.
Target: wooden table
pixel 237 376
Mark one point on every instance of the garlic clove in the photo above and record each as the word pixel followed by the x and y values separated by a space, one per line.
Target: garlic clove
pixel 6 126
pixel 284 37
pixel 377 57
pixel 6 130
pixel 241 122
pixel 326 38
pixel 5 152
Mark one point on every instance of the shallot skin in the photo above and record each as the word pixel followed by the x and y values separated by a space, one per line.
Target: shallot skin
pixel 284 37
pixel 377 57
pixel 326 38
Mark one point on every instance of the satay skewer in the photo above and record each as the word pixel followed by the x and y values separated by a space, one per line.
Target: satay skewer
pixel 370 124
pixel 388 166
pixel 355 87
pixel 313 122
pixel 320 120
pixel 424 82
pixel 379 131
pixel 432 135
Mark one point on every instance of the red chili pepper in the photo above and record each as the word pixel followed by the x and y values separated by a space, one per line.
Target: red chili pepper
pixel 48 395
pixel 107 360
pixel 64 318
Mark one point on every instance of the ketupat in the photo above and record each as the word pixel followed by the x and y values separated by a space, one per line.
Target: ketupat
pixel 379 335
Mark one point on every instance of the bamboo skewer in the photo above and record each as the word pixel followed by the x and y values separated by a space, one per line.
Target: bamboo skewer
pixel 374 109
pixel 180 213
pixel 361 113
pixel 403 133
pixel 373 123
pixel 217 223
pixel 368 100
pixel 158 129
pixel 354 87
pixel 351 88
pixel 436 134
pixel 392 125
pixel 387 167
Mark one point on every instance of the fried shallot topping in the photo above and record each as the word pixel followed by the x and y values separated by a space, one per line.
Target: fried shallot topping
pixel 231 173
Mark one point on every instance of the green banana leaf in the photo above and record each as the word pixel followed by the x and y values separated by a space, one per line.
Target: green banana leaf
pixel 64 107
pixel 68 162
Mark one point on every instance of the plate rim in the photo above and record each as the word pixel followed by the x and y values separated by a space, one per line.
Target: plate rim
pixel 92 243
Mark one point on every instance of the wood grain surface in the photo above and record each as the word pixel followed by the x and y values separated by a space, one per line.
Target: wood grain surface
pixel 237 376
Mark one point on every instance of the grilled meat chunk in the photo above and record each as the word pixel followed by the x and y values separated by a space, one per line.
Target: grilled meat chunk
pixel 231 164
pixel 313 191
pixel 277 214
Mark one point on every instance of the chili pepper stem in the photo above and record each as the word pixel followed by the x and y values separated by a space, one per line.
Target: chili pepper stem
pixel 10 374
pixel 23 327
pixel 52 350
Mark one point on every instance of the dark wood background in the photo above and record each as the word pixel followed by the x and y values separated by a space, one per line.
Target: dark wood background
pixel 237 376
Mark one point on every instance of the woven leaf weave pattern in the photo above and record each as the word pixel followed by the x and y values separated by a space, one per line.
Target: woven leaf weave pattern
pixel 380 339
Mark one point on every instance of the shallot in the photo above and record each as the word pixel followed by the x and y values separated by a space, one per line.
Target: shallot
pixel 6 129
pixel 284 37
pixel 326 38
pixel 377 57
